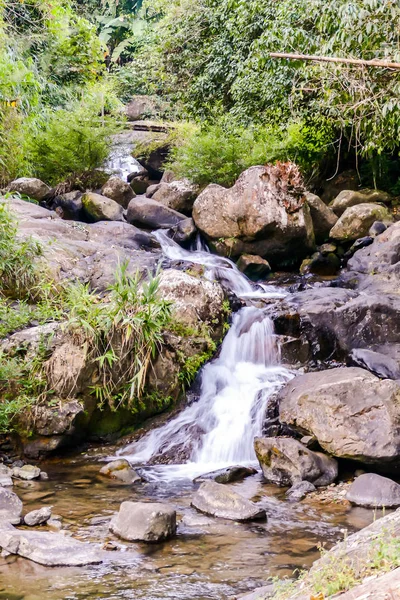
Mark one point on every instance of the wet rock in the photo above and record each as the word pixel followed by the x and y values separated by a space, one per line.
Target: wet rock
pixel 121 470
pixel 47 548
pixel 146 212
pixel 374 491
pixel 348 198
pixel 100 208
pixel 285 461
pixel 358 244
pixel 377 228
pixel 351 412
pixel 184 231
pixel 379 364
pixel 27 472
pixel 298 491
pixel 5 476
pixel 219 500
pixel 264 213
pixel 151 190
pixel 228 475
pixel 325 265
pixel 30 186
pixel 326 249
pixel 154 161
pixel 178 195
pixel 59 419
pixel 254 266
pixel 70 205
pixel 323 217
pixel 38 517
pixel 144 522
pixel 356 221
pixel 10 508
pixel 118 190
pixel 194 300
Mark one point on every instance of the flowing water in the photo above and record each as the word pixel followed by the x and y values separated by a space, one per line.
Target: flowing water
pixel 210 558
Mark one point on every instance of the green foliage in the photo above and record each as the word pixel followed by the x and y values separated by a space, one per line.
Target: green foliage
pixel 191 365
pixel 67 143
pixel 122 333
pixel 18 270
pixel 213 57
pixel 219 153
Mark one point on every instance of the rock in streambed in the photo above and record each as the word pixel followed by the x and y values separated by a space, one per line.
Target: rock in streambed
pixel 144 522
pixel 219 500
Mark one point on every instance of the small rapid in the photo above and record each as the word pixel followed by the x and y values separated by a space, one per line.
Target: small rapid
pixel 217 268
pixel 218 430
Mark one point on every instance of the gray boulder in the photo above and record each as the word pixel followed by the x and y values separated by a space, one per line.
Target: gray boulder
pixel 298 491
pixel 100 208
pixel 121 470
pixel 149 213
pixel 356 221
pixel 10 507
pixel 219 500
pixel 323 217
pixel 382 365
pixel 118 190
pixel 348 198
pixel 253 266
pixel 374 491
pixel 228 475
pixel 47 548
pixel 27 472
pixel 69 206
pixel 5 476
pixel 30 186
pixel 178 195
pixel 144 522
pixel 38 517
pixel 285 461
pixel 264 213
pixel 352 413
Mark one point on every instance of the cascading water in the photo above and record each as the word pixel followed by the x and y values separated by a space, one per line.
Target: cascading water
pixel 217 268
pixel 218 430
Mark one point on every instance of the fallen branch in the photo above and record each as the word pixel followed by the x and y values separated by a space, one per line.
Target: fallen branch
pixel 348 61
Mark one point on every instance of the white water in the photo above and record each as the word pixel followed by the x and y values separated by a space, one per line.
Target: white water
pixel 217 268
pixel 218 430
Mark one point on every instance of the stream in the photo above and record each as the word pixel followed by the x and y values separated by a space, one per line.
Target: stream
pixel 210 558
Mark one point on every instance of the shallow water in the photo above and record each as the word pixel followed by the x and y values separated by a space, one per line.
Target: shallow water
pixel 209 559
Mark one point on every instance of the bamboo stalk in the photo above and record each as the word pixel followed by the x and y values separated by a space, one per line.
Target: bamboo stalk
pixel 348 61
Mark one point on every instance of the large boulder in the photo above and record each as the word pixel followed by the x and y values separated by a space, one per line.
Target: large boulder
pixel 120 470
pixel 352 413
pixel 349 198
pixel 178 195
pixel 101 208
pixel 356 221
pixel 195 300
pixel 87 252
pixel 29 186
pixel 285 461
pixel 323 217
pixel 264 213
pixel 69 206
pixel 149 213
pixel 38 517
pixel 218 500
pixel 47 548
pixel 144 522
pixel 10 508
pixel 118 190
pixel 253 266
pixel 374 491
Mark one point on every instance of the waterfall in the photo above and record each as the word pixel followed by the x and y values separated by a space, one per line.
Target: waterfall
pixel 216 268
pixel 218 430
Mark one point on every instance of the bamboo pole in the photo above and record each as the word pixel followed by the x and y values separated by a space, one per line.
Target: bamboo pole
pixel 348 61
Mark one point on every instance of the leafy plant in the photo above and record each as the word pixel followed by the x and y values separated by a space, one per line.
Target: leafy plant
pixel 18 270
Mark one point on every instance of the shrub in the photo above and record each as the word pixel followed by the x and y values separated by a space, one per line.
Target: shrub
pixel 18 270
pixel 68 143
pixel 219 153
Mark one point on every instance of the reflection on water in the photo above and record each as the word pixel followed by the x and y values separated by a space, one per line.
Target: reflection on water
pixel 209 559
